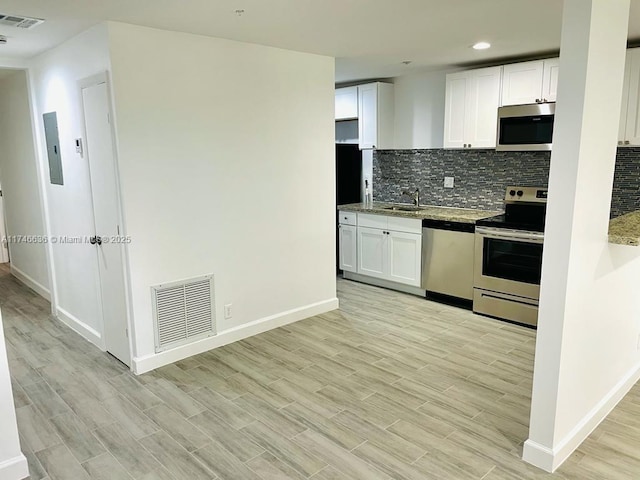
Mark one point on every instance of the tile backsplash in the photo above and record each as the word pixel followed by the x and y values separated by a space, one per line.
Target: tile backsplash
pixel 481 176
pixel 626 182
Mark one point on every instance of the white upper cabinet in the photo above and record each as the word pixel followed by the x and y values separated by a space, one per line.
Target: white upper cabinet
pixel 632 94
pixel 471 108
pixel 346 103
pixel 455 109
pixel 530 82
pixel 522 83
pixel 624 105
pixel 375 115
pixel 550 79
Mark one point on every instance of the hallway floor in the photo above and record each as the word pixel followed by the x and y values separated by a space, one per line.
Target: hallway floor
pixel 390 386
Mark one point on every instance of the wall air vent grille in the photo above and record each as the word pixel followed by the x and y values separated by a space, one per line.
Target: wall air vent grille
pixel 19 21
pixel 183 312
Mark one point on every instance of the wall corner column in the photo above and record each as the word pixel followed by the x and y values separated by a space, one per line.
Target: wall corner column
pixel 570 392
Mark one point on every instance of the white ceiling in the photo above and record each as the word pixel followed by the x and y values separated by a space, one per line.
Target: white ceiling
pixel 369 38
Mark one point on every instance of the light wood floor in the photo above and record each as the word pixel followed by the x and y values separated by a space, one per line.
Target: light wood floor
pixel 390 386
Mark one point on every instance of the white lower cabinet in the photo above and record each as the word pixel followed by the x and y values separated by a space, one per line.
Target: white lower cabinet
pixel 372 252
pixel 347 241
pixel 389 248
pixel 348 252
pixel 405 257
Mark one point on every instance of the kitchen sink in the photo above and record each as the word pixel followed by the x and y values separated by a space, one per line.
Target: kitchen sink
pixel 404 208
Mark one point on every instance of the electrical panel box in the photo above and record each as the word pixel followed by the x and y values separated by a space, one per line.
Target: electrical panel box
pixel 53 147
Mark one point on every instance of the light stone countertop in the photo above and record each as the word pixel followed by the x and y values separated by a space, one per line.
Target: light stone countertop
pixel 625 229
pixel 431 212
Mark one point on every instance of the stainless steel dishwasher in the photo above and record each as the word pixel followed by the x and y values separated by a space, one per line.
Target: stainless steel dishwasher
pixel 447 258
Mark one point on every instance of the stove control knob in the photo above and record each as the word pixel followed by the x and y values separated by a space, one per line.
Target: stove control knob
pixel 512 193
pixel 520 193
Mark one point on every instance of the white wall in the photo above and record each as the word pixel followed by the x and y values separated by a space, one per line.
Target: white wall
pixel 419 110
pixel 587 353
pixel 20 187
pixel 226 158
pixel 55 75
pixel 13 464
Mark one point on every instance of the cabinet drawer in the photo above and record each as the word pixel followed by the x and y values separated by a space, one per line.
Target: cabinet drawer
pixel 372 221
pixel 347 218
pixel 408 225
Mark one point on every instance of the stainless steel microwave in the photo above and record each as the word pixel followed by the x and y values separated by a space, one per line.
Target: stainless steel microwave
pixel 525 127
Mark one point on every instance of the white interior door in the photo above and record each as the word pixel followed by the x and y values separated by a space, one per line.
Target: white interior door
pixel 4 246
pixel 100 154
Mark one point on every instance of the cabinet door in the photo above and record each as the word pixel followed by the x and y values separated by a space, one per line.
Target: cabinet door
pixel 455 107
pixel 550 80
pixel 405 257
pixel 348 248
pixel 522 83
pixel 367 115
pixel 372 252
pixel 481 126
pixel 632 136
pixel 346 103
pixel 624 105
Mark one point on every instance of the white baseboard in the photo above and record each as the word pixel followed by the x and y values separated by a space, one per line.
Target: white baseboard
pixel 150 362
pixel 15 468
pixel 30 282
pixel 550 459
pixel 81 328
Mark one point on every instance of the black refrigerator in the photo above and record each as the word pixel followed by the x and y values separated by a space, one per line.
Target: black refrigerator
pixel 348 181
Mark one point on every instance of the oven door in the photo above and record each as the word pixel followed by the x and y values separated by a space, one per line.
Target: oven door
pixel 508 261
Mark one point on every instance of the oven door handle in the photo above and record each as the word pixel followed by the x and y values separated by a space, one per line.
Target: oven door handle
pixel 502 234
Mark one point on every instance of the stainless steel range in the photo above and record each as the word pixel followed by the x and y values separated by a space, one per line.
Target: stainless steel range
pixel 508 257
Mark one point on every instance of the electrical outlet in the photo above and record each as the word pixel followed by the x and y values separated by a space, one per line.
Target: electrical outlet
pixel 448 182
pixel 227 311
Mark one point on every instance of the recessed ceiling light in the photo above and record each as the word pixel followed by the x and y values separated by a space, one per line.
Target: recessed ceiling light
pixel 481 46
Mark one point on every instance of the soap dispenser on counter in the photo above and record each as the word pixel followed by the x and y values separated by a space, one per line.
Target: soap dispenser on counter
pixel 368 199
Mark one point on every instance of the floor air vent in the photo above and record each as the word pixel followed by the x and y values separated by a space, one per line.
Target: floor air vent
pixel 19 22
pixel 183 312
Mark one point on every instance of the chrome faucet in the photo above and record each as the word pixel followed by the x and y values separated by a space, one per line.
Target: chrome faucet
pixel 415 195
